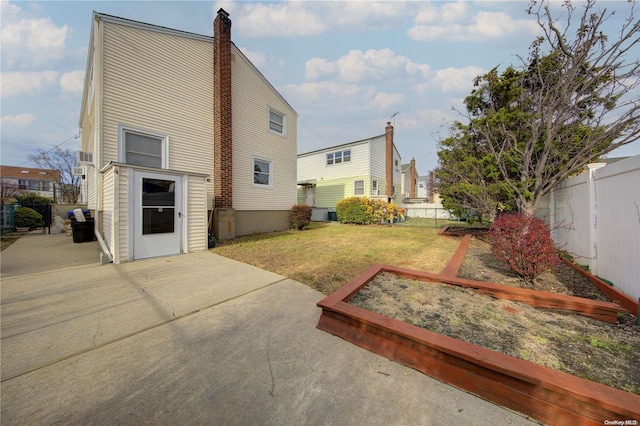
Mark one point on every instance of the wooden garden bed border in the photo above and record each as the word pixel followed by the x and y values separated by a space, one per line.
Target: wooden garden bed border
pixel 544 394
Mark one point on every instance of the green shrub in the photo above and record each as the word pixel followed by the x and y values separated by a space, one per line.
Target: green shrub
pixel 33 198
pixel 354 210
pixel 28 218
pixel 364 211
pixel 300 216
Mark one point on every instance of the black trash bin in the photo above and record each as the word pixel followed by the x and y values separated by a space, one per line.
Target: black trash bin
pixel 83 232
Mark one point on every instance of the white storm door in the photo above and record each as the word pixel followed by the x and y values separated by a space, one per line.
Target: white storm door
pixel 308 199
pixel 157 219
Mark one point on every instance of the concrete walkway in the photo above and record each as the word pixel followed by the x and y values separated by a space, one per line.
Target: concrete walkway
pixel 196 339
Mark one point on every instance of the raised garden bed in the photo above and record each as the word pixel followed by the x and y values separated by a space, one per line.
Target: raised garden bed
pixel 543 393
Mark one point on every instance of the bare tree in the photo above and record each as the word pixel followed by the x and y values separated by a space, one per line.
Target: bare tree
pixel 8 188
pixel 63 161
pixel 574 99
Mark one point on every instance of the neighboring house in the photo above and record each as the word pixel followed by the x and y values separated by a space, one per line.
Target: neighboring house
pixel 409 180
pixel 423 184
pixel 18 181
pixel 180 134
pixel 367 168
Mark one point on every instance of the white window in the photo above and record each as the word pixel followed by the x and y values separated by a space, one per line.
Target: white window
pixel 339 157
pixel 374 188
pixel 358 187
pixel 276 122
pixel 397 166
pixel 262 173
pixel 141 147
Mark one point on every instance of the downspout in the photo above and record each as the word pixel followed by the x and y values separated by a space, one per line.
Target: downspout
pixel 103 246
pixel 97 73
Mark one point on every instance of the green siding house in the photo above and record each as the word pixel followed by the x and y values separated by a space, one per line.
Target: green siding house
pixel 368 168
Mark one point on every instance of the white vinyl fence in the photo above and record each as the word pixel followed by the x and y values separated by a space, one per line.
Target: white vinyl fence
pixel 595 216
pixel 427 210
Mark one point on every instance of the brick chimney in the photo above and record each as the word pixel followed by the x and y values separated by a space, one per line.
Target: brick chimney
pixel 224 222
pixel 222 136
pixel 389 159
pixel 414 178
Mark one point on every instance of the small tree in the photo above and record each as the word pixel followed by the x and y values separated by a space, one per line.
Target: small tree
pixel 524 243
pixel 28 218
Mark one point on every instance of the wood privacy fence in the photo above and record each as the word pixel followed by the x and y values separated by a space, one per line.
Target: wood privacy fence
pixel 595 216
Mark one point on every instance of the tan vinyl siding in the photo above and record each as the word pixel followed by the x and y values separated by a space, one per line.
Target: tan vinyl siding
pixel 108 206
pixel 91 187
pixel 161 83
pixel 196 214
pixel 122 224
pixel 251 100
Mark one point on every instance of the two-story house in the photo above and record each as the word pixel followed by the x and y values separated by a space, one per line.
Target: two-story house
pixel 367 168
pixel 409 180
pixel 18 181
pixel 181 134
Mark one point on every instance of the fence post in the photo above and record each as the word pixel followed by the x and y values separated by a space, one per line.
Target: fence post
pixel 593 216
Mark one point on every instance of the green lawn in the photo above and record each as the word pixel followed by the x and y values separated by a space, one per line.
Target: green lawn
pixel 327 255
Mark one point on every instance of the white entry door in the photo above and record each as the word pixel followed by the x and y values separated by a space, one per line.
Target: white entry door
pixel 308 196
pixel 157 218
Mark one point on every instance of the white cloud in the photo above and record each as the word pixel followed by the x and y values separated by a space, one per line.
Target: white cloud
pixel 27 41
pixel 386 101
pixel 340 97
pixel 358 65
pixel 303 18
pixel 20 120
pixel 257 58
pixel 450 80
pixel 27 83
pixel 273 19
pixel 450 23
pixel 72 82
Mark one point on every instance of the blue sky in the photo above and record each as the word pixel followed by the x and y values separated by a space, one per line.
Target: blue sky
pixel 345 67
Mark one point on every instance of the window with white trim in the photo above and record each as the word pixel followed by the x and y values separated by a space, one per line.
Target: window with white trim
pixel 374 187
pixel 277 122
pixel 339 157
pixel 358 187
pixel 142 147
pixel 262 173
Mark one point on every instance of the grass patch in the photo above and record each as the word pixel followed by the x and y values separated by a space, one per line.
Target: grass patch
pixel 9 239
pixel 326 256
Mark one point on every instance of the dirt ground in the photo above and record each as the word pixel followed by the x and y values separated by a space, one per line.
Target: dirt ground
pixel 578 345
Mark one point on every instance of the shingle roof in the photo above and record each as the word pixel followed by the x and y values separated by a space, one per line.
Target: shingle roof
pixel 29 173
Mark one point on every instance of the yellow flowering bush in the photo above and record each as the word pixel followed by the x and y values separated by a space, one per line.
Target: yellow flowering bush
pixel 364 211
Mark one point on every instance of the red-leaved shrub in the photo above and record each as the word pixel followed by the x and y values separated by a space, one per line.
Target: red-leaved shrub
pixel 524 243
pixel 300 216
